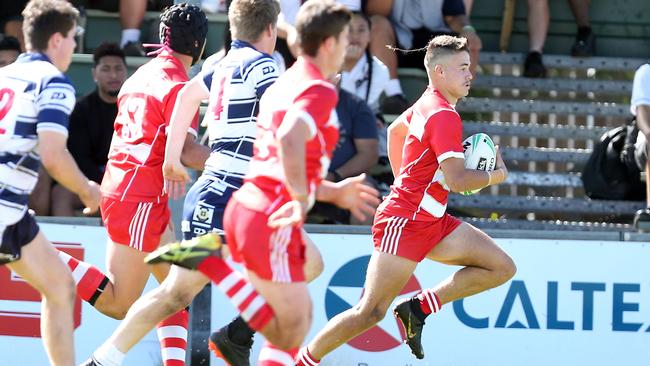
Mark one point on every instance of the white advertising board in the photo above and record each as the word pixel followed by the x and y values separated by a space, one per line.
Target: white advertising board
pixel 20 308
pixel 570 303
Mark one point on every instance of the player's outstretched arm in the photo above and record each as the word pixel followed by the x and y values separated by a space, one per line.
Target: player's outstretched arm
pixel 351 194
pixel 61 166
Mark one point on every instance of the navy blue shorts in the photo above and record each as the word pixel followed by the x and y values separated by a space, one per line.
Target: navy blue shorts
pixel 204 206
pixel 16 236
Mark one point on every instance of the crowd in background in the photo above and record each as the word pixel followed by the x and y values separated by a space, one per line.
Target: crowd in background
pixel 369 83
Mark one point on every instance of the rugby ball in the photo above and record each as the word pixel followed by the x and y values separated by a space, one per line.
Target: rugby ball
pixel 480 154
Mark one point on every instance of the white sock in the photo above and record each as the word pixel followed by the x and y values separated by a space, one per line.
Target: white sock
pixel 393 87
pixel 108 355
pixel 129 35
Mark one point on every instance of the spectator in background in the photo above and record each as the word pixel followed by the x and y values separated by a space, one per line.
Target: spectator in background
pixel 363 74
pixel 355 153
pixel 9 50
pixel 131 15
pixel 11 20
pixel 414 23
pixel 287 44
pixel 90 132
pixel 538 22
pixel 640 107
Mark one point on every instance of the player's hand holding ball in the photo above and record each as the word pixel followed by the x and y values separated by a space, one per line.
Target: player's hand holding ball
pixel 500 174
pixel 481 154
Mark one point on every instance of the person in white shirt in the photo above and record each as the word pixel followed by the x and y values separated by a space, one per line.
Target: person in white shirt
pixel 363 74
pixel 640 107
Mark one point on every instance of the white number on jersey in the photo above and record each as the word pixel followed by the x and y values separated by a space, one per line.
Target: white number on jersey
pixel 131 118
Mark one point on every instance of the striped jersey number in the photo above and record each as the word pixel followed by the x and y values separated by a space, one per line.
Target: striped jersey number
pixel 6 119
pixel 218 106
pixel 131 118
pixel 8 109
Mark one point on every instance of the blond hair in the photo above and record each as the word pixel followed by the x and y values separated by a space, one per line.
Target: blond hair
pixel 250 18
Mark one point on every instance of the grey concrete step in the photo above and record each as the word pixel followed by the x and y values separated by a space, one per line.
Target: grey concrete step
pixel 558 205
pixel 529 130
pixel 418 78
pixel 541 179
pixel 600 87
pixel 599 228
pixel 565 61
pixel 544 154
pixel 486 105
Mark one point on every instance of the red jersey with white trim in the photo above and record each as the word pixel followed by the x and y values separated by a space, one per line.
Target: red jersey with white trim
pixel 435 134
pixel 145 105
pixel 301 91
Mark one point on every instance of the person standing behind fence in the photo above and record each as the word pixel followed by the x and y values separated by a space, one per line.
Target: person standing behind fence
pixel 36 103
pixel 640 107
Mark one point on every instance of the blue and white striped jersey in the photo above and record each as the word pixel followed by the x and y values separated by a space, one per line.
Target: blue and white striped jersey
pixel 34 96
pixel 236 84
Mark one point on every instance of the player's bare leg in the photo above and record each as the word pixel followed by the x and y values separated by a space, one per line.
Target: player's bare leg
pixel 286 329
pixel 314 261
pixel 128 276
pixel 233 342
pixel 486 266
pixel 171 323
pixel 385 278
pixel 174 293
pixel 40 267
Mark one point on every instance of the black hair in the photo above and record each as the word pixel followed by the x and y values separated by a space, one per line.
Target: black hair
pixel 108 49
pixel 9 43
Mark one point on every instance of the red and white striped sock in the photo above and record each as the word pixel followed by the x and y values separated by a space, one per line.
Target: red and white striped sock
pixel 271 355
pixel 89 279
pixel 251 305
pixel 305 358
pixel 172 333
pixel 429 302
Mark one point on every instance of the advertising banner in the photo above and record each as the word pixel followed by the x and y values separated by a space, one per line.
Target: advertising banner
pixel 20 307
pixel 571 303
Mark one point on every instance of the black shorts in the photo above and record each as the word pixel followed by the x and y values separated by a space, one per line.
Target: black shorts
pixel 16 236
pixel 641 151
